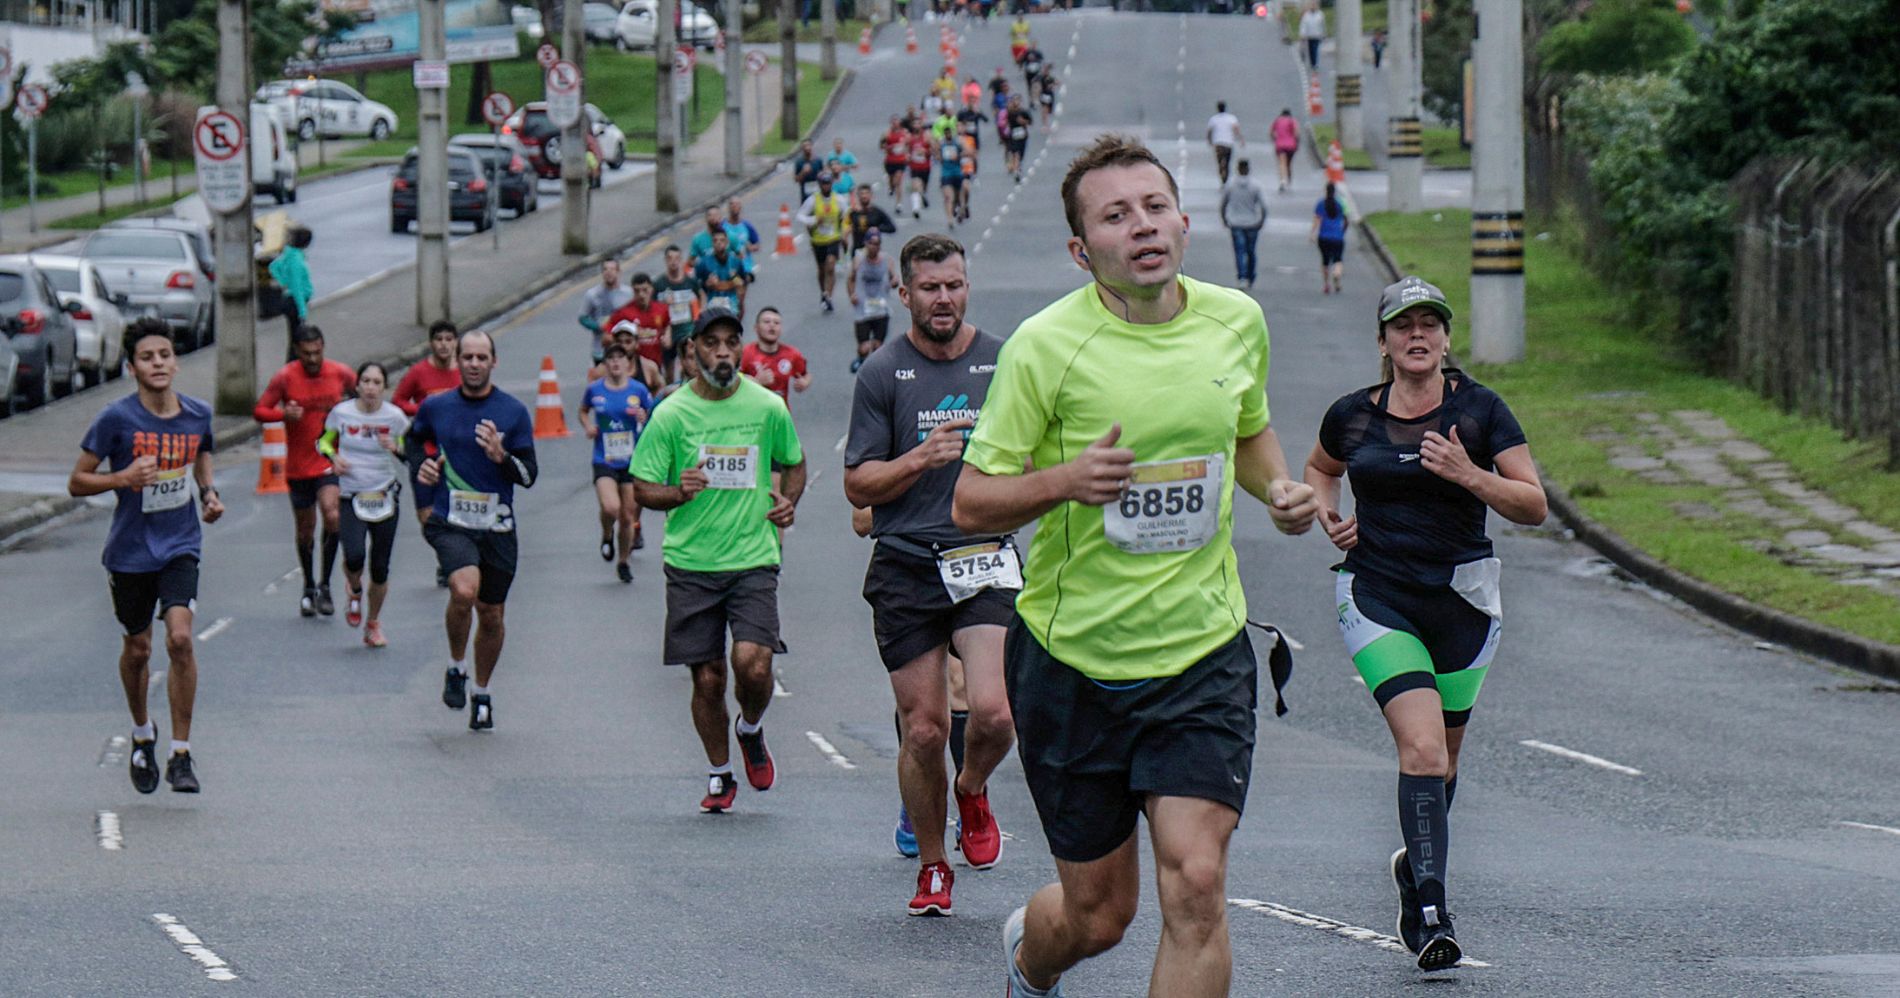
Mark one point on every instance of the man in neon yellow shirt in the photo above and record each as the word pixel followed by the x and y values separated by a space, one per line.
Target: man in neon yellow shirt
pixel 823 216
pixel 1131 682
pixel 706 458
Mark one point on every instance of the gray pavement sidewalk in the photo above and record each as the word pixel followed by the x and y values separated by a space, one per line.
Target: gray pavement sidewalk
pixel 378 320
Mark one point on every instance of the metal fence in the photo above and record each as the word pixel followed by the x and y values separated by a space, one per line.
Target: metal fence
pixel 1816 292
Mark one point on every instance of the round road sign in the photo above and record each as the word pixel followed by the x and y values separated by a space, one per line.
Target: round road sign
pixel 547 55
pixel 683 61
pixel 564 93
pixel 32 100
pixel 224 176
pixel 496 108
pixel 755 61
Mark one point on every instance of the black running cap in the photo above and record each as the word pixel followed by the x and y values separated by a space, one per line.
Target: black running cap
pixel 715 315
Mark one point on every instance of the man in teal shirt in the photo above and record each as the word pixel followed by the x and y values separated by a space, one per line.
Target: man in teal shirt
pixel 292 272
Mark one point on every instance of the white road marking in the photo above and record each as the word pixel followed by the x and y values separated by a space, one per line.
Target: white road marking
pixel 1291 641
pixel 986 233
pixel 841 441
pixel 1871 828
pixel 778 689
pixel 286 577
pixel 830 751
pixel 189 944
pixel 217 627
pixel 154 681
pixel 1585 757
pixel 111 837
pixel 1361 680
pixel 978 248
pixel 113 751
pixel 1294 916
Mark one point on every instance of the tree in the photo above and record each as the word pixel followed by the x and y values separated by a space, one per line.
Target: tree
pixel 1617 38
pixel 91 84
pixel 186 51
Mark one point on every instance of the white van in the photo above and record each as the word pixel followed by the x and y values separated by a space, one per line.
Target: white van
pixel 273 160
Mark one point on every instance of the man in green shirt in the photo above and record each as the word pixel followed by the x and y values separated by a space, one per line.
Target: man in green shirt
pixel 706 459
pixel 1130 678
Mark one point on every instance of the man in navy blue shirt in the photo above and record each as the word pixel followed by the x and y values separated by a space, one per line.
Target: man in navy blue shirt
pixel 158 443
pixel 485 447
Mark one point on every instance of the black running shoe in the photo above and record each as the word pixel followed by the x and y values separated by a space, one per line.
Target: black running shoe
pixel 625 571
pixel 1402 882
pixel 481 713
pixel 639 538
pixel 325 605
pixel 144 765
pixel 454 695
pixel 607 550
pixel 1440 949
pixel 178 773
pixel 307 606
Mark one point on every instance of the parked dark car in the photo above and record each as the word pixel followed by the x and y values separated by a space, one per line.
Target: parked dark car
pixel 502 159
pixel 41 332
pixel 468 192
pixel 541 138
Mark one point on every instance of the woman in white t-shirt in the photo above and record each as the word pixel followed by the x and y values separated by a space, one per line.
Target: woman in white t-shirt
pixel 363 437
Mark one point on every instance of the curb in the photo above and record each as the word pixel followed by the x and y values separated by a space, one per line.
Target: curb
pixel 1803 635
pixel 238 431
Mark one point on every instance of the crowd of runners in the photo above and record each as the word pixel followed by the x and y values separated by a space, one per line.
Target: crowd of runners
pixel 1112 653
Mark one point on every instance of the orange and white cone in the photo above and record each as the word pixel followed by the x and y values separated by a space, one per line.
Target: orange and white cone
pixel 549 421
pixel 1335 164
pixel 864 42
pixel 274 451
pixel 1314 105
pixel 910 41
pixel 786 246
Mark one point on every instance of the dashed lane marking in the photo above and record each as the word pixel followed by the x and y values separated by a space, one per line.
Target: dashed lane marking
pixel 280 580
pixel 1583 757
pixel 1294 916
pixel 113 752
pixel 217 627
pixel 189 944
pixel 105 824
pixel 1869 828
pixel 830 751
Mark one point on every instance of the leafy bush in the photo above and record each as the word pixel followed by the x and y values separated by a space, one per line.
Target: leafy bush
pixel 1617 37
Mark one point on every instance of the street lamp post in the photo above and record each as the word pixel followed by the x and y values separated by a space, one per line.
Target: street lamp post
pixel 1497 185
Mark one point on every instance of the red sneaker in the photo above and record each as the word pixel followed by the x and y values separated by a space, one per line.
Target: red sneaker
pixel 354 615
pixel 760 771
pixel 978 838
pixel 933 890
pixel 720 791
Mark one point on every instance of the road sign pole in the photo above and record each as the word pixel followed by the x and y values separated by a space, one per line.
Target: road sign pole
pixel 575 174
pixel 432 174
pixel 33 174
pixel 735 97
pixel 666 197
pixel 494 189
pixel 236 313
pixel 1497 188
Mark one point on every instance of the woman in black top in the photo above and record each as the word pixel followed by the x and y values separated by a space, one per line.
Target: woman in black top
pixel 1429 451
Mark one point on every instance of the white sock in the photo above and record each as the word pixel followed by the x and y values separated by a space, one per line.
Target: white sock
pixel 748 728
pixel 725 770
pixel 145 732
pixel 478 689
pixel 455 665
pixel 178 746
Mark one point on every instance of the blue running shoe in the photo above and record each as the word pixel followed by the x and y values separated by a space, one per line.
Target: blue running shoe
pixel 906 837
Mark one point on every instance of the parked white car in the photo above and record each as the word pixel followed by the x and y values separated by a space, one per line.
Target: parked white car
pixel 613 141
pixel 527 20
pixel 338 107
pixel 273 161
pixel 639 27
pixel 98 322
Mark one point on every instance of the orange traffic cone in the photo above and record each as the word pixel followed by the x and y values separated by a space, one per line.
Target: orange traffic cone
pixel 270 465
pixel 910 41
pixel 549 421
pixel 1335 164
pixel 864 42
pixel 785 247
pixel 1314 106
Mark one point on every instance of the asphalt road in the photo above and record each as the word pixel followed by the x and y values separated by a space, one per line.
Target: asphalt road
pixel 355 838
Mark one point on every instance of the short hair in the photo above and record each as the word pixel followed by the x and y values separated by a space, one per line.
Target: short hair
pixel 761 312
pixel 492 352
pixel 300 237
pixel 1220 105
pixel 307 332
pixel 613 260
pixel 366 365
pixel 143 327
pixel 1109 150
pixel 673 248
pixel 931 247
pixel 639 277
pixel 615 350
pixel 1243 166
pixel 442 326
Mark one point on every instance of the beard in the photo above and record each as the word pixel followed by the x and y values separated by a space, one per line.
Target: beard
pixel 932 333
pixel 721 376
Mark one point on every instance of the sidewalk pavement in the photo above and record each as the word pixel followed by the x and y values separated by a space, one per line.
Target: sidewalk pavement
pixel 37 448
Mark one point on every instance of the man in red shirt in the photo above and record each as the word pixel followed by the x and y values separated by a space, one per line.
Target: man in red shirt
pixel 771 361
pixel 650 317
pixel 896 145
pixel 922 152
pixel 429 376
pixel 300 396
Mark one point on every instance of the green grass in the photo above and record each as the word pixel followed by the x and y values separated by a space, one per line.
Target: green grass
pixel 848 31
pixel 1593 364
pixel 621 84
pixel 73 183
pixel 1442 149
pixel 163 199
pixel 812 93
pixel 1356 159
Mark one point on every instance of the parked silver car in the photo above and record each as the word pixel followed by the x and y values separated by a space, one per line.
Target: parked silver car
pixel 98 321
pixel 9 375
pixel 159 275
pixel 41 331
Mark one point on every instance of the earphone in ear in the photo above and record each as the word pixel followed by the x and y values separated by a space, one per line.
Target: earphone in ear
pixel 1084 254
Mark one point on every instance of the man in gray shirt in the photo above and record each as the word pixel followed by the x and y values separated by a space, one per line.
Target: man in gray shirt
pixel 1243 209
pixel 601 301
pixel 931 587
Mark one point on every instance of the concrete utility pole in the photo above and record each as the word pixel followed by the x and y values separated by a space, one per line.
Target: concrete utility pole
pixel 788 71
pixel 1497 185
pixel 237 310
pixel 432 173
pixel 574 172
pixel 828 39
pixel 1349 28
pixel 735 81
pixel 1404 149
pixel 666 180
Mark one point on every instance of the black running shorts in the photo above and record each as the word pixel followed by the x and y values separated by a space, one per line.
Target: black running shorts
pixel 619 473
pixel 494 553
pixel 303 491
pixel 1331 251
pixel 1092 752
pixel 702 606
pixel 911 612
pixel 138 597
pixel 878 329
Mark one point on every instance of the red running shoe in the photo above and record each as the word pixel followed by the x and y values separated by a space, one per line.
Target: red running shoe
pixel 933 890
pixel 720 791
pixel 760 771
pixel 978 838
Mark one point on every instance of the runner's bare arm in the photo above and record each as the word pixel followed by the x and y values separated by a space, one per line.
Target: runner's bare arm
pixel 1260 468
pixel 88 480
pixel 1323 472
pixel 207 492
pixel 874 483
pixel 997 504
